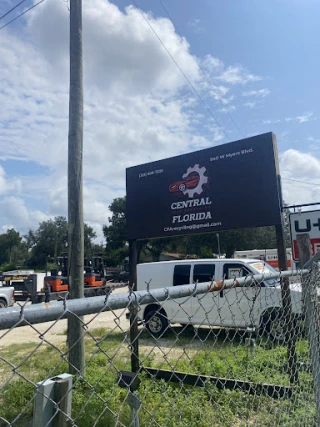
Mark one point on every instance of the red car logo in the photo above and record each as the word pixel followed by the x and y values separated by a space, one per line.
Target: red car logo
pixel 190 182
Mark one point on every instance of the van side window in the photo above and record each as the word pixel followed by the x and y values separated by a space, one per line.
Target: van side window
pixel 203 272
pixel 181 275
pixel 233 270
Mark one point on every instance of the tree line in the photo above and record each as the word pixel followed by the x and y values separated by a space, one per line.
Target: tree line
pixel 200 245
pixel 32 249
pixel 51 237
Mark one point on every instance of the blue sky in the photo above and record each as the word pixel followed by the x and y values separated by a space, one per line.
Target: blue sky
pixel 278 40
pixel 261 61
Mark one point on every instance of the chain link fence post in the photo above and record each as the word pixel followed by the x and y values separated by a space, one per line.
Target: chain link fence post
pixel 311 310
pixel 133 307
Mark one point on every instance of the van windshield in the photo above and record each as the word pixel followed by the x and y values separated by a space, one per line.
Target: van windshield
pixel 263 268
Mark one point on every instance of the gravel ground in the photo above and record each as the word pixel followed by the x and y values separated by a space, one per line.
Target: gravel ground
pixel 55 333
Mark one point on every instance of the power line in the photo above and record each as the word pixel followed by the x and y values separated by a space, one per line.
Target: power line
pixel 181 71
pixel 23 13
pixel 202 70
pixel 14 7
pixel 301 182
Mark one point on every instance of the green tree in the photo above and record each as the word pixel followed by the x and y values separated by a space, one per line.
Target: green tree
pixel 51 239
pixel 89 236
pixel 155 247
pixel 13 251
pixel 116 233
pixel 286 225
pixel 201 245
pixel 117 248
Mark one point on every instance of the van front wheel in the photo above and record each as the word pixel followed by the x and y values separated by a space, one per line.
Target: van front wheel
pixel 156 322
pixel 3 303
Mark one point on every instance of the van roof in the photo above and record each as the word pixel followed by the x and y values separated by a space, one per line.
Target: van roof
pixel 204 260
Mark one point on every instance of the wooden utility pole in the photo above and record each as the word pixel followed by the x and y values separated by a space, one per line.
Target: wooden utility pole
pixel 75 196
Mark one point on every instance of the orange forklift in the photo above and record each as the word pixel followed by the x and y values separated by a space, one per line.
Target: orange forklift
pixel 94 278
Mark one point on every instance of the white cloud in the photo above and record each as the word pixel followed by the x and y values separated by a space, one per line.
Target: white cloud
pixel 250 104
pixel 305 117
pixel 218 91
pixel 298 166
pixel 212 65
pixel 217 70
pixel 137 105
pixel 261 93
pixel 8 185
pixel 313 147
pixel 219 79
pixel 227 109
pixel 196 26
pixel 121 53
pixel 271 121
pixel 14 213
pixel 237 75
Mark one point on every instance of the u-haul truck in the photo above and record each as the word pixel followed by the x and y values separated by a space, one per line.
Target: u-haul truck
pixel 307 222
pixel 270 256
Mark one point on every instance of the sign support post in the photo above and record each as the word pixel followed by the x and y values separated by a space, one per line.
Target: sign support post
pixel 133 306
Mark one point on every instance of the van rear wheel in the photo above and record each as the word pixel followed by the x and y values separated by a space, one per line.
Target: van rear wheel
pixel 156 322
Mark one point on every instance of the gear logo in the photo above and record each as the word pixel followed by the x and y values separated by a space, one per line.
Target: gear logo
pixel 192 182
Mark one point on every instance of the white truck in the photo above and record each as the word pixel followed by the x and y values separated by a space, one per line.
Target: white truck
pixel 6 296
pixel 257 306
pixel 270 256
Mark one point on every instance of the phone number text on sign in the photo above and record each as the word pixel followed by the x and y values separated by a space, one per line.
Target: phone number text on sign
pixel 145 174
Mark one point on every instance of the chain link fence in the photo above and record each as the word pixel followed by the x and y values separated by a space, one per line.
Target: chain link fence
pixel 208 354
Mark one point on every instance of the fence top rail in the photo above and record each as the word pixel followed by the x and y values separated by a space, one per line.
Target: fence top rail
pixel 47 312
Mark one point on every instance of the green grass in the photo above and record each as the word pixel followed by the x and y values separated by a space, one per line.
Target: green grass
pixel 215 353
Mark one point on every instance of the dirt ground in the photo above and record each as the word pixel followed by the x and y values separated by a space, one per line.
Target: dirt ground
pixel 55 332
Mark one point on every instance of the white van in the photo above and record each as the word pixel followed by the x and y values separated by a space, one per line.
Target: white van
pixel 255 306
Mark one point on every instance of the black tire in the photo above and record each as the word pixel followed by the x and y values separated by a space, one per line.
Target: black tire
pixel 91 293
pixel 3 303
pixel 100 292
pixel 156 322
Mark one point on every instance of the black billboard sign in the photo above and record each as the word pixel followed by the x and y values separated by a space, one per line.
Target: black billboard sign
pixel 225 187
